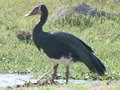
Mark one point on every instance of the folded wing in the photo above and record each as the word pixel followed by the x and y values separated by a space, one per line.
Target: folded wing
pixel 83 50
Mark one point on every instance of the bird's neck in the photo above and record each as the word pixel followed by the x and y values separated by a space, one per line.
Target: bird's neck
pixel 43 19
pixel 38 28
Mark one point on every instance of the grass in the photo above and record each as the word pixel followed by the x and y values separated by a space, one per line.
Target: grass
pixel 87 86
pixel 102 34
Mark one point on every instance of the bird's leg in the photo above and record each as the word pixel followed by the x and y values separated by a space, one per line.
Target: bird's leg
pixel 54 73
pixel 67 75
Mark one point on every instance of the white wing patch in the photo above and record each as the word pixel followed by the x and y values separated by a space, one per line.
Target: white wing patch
pixel 62 60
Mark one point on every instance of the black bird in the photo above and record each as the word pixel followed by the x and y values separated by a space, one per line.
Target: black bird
pixel 63 48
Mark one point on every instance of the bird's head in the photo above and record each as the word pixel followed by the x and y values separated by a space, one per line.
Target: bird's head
pixel 40 9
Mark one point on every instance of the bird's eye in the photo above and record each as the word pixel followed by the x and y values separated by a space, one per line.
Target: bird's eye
pixel 36 7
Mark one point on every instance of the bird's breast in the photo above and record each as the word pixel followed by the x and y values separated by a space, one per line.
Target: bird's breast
pixel 62 60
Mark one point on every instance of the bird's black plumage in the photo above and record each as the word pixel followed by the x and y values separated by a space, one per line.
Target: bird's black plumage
pixel 63 48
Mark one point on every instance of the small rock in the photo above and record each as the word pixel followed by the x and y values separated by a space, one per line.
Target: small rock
pixel 8 87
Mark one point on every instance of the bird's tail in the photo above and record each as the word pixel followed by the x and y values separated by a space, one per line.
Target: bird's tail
pixel 94 64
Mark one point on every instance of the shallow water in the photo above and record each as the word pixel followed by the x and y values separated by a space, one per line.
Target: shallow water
pixel 72 81
pixel 13 79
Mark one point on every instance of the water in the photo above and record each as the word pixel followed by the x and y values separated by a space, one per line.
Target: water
pixel 12 79
pixel 72 81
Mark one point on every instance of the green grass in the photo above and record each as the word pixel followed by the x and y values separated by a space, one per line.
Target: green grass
pixel 102 34
pixel 86 86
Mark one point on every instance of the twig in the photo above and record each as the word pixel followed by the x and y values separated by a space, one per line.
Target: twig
pixel 44 75
pixel 22 80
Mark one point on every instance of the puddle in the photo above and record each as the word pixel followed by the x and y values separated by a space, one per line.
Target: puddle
pixel 72 81
pixel 12 79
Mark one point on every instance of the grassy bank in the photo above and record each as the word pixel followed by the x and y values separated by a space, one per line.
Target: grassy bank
pixel 102 34
pixel 87 86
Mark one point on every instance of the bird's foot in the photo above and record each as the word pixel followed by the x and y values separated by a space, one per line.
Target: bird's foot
pixel 54 82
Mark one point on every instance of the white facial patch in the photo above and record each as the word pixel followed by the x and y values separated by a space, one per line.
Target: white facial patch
pixel 39 10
